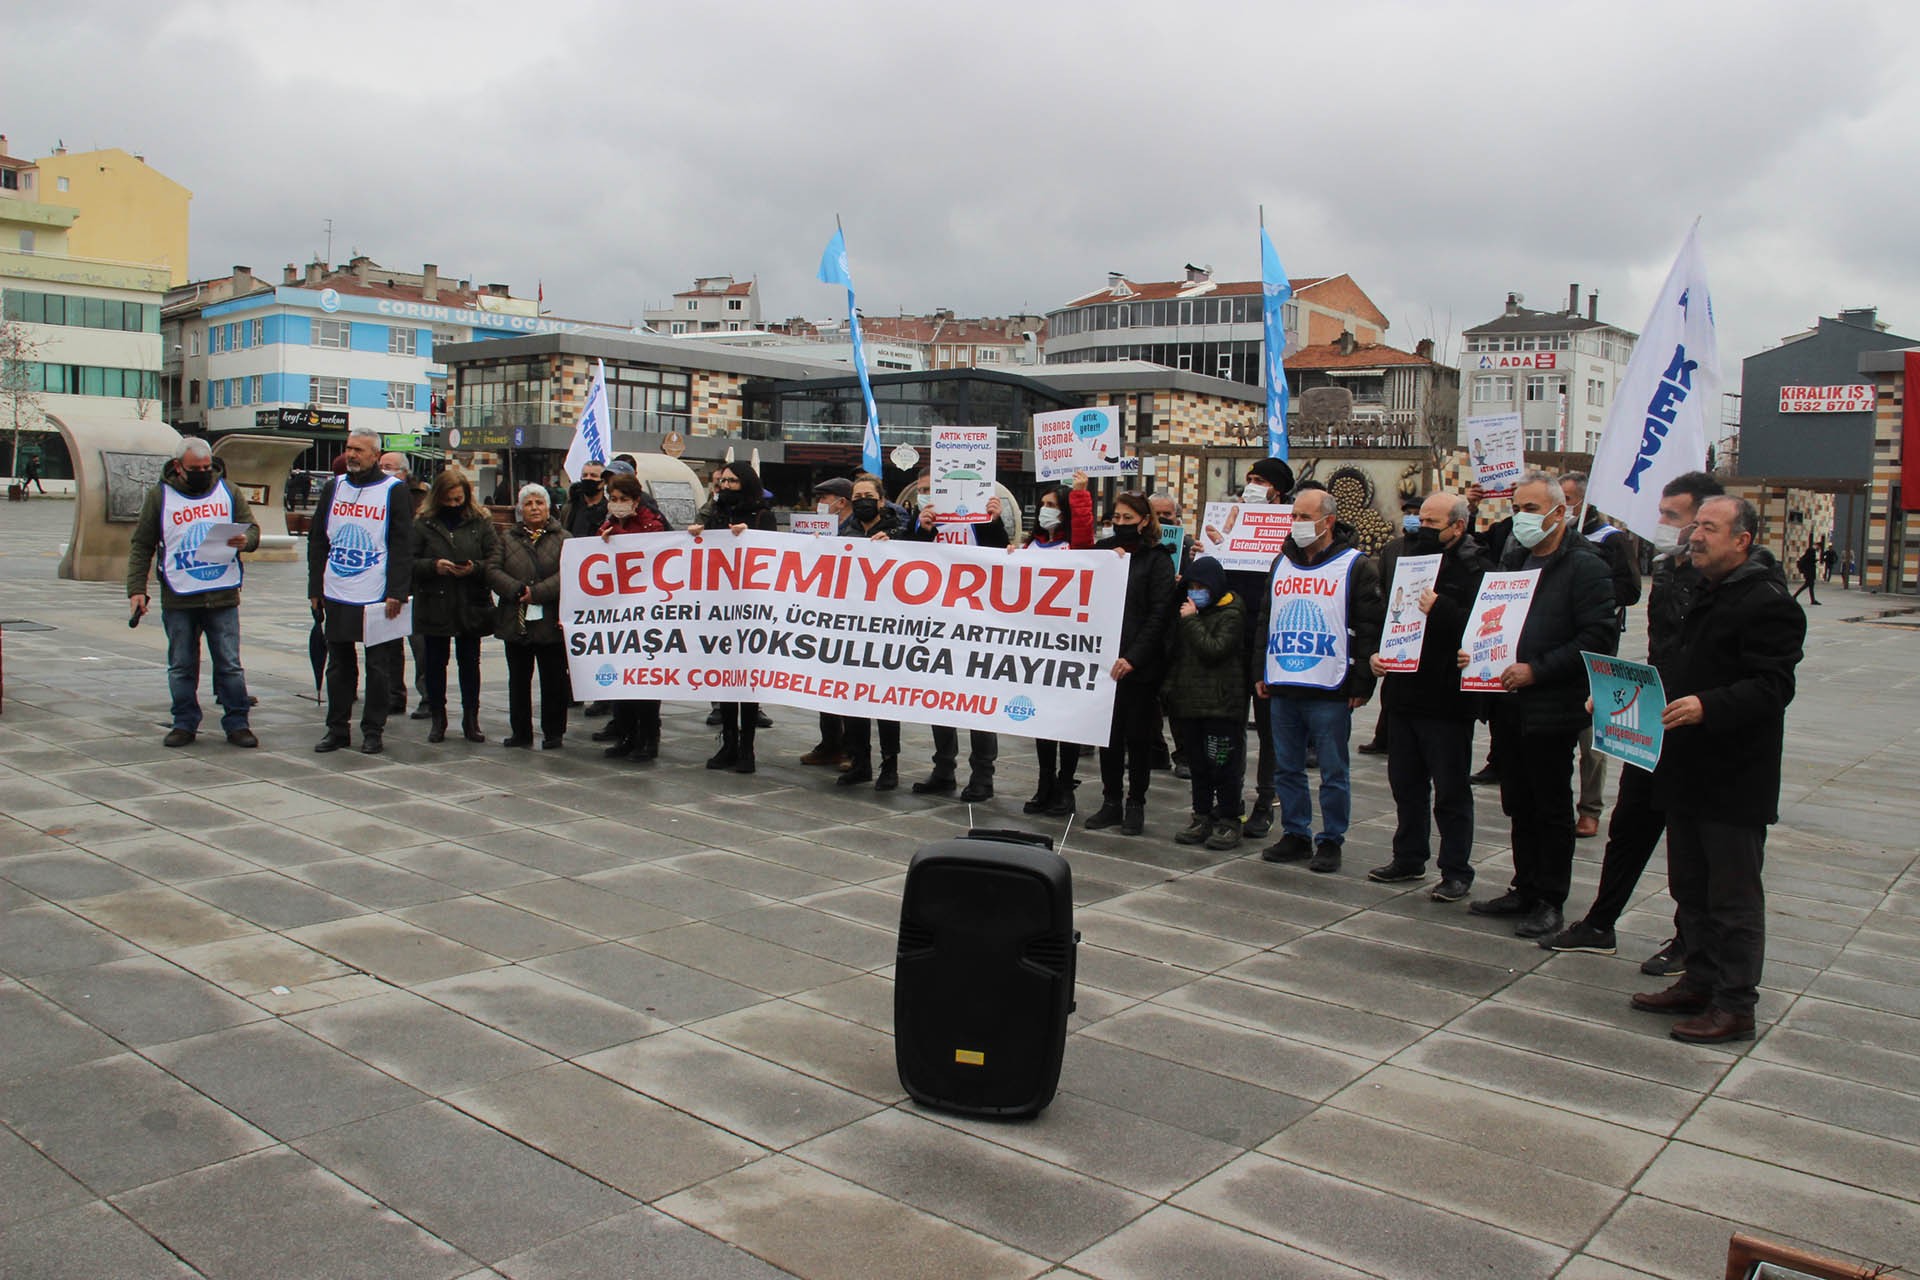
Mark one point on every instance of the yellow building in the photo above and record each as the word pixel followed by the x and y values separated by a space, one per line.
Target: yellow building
pixel 129 211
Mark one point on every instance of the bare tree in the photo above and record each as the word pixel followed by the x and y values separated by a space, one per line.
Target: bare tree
pixel 18 351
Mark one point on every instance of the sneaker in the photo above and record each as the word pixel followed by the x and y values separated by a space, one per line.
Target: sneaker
pixel 1326 857
pixel 1226 835
pixel 1451 890
pixel 178 738
pixel 1581 937
pixel 1396 871
pixel 1259 822
pixel 1670 961
pixel 1288 849
pixel 1509 903
pixel 1135 820
pixel 1198 828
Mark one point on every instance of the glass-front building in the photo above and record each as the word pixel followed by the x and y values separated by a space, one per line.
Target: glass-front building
pixel 830 410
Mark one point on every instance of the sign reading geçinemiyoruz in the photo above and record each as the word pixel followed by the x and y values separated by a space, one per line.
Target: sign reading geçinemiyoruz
pixel 937 634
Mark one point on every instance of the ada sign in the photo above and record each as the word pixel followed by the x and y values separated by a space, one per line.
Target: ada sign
pixel 1519 360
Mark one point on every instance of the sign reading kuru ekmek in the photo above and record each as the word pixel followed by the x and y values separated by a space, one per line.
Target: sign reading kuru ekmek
pixel 961 636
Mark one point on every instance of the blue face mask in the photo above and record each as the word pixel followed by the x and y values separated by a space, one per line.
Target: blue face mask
pixel 1199 597
pixel 1410 522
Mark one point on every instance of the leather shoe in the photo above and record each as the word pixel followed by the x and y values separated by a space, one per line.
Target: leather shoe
pixel 1543 921
pixel 243 738
pixel 1715 1026
pixel 1509 903
pixel 177 738
pixel 1676 999
pixel 937 785
pixel 976 791
pixel 371 744
pixel 421 712
pixel 1326 857
pixel 331 743
pixel 1587 827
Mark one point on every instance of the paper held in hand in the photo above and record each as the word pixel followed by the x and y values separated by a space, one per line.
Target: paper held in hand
pixel 1243 537
pixel 1627 701
pixel 1406 626
pixel 1495 447
pixel 377 628
pixel 1492 638
pixel 213 549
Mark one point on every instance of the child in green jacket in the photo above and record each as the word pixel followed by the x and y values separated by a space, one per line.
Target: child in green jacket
pixel 1206 692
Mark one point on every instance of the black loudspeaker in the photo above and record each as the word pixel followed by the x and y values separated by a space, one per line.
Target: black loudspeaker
pixel 984 979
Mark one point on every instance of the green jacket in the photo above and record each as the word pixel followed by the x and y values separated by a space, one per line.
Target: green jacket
pixel 146 545
pixel 1205 675
pixel 445 605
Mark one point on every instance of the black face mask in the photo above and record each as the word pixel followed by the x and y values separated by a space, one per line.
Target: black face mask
pixel 1423 541
pixel 196 483
pixel 1127 535
pixel 865 509
pixel 727 497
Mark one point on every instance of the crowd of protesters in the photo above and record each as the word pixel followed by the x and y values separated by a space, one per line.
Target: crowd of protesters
pixel 1201 652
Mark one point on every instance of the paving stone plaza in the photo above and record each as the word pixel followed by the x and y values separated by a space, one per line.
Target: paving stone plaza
pixel 456 1011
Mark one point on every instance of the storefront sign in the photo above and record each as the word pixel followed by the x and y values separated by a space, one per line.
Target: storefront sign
pixel 1518 360
pixel 301 419
pixel 1857 398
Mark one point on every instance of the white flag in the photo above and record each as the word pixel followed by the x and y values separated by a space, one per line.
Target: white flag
pixel 1667 401
pixel 594 430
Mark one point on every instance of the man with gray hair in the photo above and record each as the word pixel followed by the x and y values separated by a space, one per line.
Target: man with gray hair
pixel 360 567
pixel 199 592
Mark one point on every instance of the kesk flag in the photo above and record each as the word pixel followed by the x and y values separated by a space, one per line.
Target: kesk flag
pixel 1275 289
pixel 834 270
pixel 1658 425
pixel 592 433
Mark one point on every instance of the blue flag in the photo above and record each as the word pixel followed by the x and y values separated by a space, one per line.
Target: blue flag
pixel 1275 290
pixel 833 270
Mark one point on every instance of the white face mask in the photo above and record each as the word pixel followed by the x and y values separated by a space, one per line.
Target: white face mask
pixel 621 510
pixel 1256 492
pixel 1667 540
pixel 1304 533
pixel 1049 517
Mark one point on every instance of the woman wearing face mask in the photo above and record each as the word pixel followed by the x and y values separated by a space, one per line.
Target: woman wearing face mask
pixel 873 517
pixel 524 571
pixel 453 542
pixel 636 721
pixel 1127 759
pixel 1063 521
pixel 737 504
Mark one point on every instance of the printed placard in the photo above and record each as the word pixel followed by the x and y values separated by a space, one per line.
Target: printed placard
pixel 1242 536
pixel 1493 628
pixel 1406 625
pixel 1627 701
pixel 901 630
pixel 1070 440
pixel 815 523
pixel 960 484
pixel 1494 446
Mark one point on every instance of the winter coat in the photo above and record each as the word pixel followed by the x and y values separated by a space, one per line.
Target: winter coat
pixel 449 604
pixel 1738 649
pixel 988 533
pixel 1149 606
pixel 758 515
pixel 892 521
pixel 521 561
pixel 1076 525
pixel 1205 678
pixel 1669 598
pixel 1432 691
pixel 1366 614
pixel 645 519
pixel 1615 546
pixel 580 517
pixel 147 544
pixel 1572 610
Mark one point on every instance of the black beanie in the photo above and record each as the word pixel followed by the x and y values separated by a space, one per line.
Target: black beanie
pixel 1205 571
pixel 1275 472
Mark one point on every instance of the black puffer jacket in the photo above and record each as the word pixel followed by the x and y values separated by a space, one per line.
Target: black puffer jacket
pixel 449 604
pixel 1669 597
pixel 1572 611
pixel 1149 606
pixel 1433 691
pixel 1738 649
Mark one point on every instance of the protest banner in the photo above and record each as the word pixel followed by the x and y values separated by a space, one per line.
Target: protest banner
pixel 1493 628
pixel 960 484
pixel 1244 537
pixel 961 636
pixel 1406 628
pixel 1495 447
pixel 1627 701
pixel 815 523
pixel 1070 440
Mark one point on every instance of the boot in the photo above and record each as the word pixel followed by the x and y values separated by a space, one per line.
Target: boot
pixel 1042 796
pixel 729 751
pixel 1107 815
pixel 608 734
pixel 470 725
pixel 744 764
pixel 1135 821
pixel 1060 804
pixel 889 776
pixel 1198 828
pixel 859 771
pixel 646 747
pixel 1260 821
pixel 437 732
pixel 621 747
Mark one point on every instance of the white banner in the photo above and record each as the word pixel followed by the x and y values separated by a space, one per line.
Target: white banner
pixel 1494 445
pixel 1493 628
pixel 1243 537
pixel 594 430
pixel 1406 628
pixel 1070 440
pixel 960 483
pixel 1668 404
pixel 961 636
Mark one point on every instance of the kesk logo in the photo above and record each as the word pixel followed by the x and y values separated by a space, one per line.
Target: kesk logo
pixel 606 675
pixel 1301 637
pixel 1021 708
pixel 187 558
pixel 354 551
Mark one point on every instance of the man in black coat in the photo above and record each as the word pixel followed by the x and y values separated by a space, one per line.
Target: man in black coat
pixel 1537 720
pixel 1637 823
pixel 1719 773
pixel 1429 720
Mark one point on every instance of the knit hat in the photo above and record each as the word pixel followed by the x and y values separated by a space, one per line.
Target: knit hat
pixel 1205 571
pixel 1275 472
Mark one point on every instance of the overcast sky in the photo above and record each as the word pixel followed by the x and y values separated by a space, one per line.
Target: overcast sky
pixel 991 157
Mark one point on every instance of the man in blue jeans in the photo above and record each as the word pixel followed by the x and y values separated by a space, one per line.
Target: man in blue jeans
pixel 199 586
pixel 1322 630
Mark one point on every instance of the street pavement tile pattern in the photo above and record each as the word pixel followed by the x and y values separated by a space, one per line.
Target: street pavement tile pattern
pixel 452 1011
